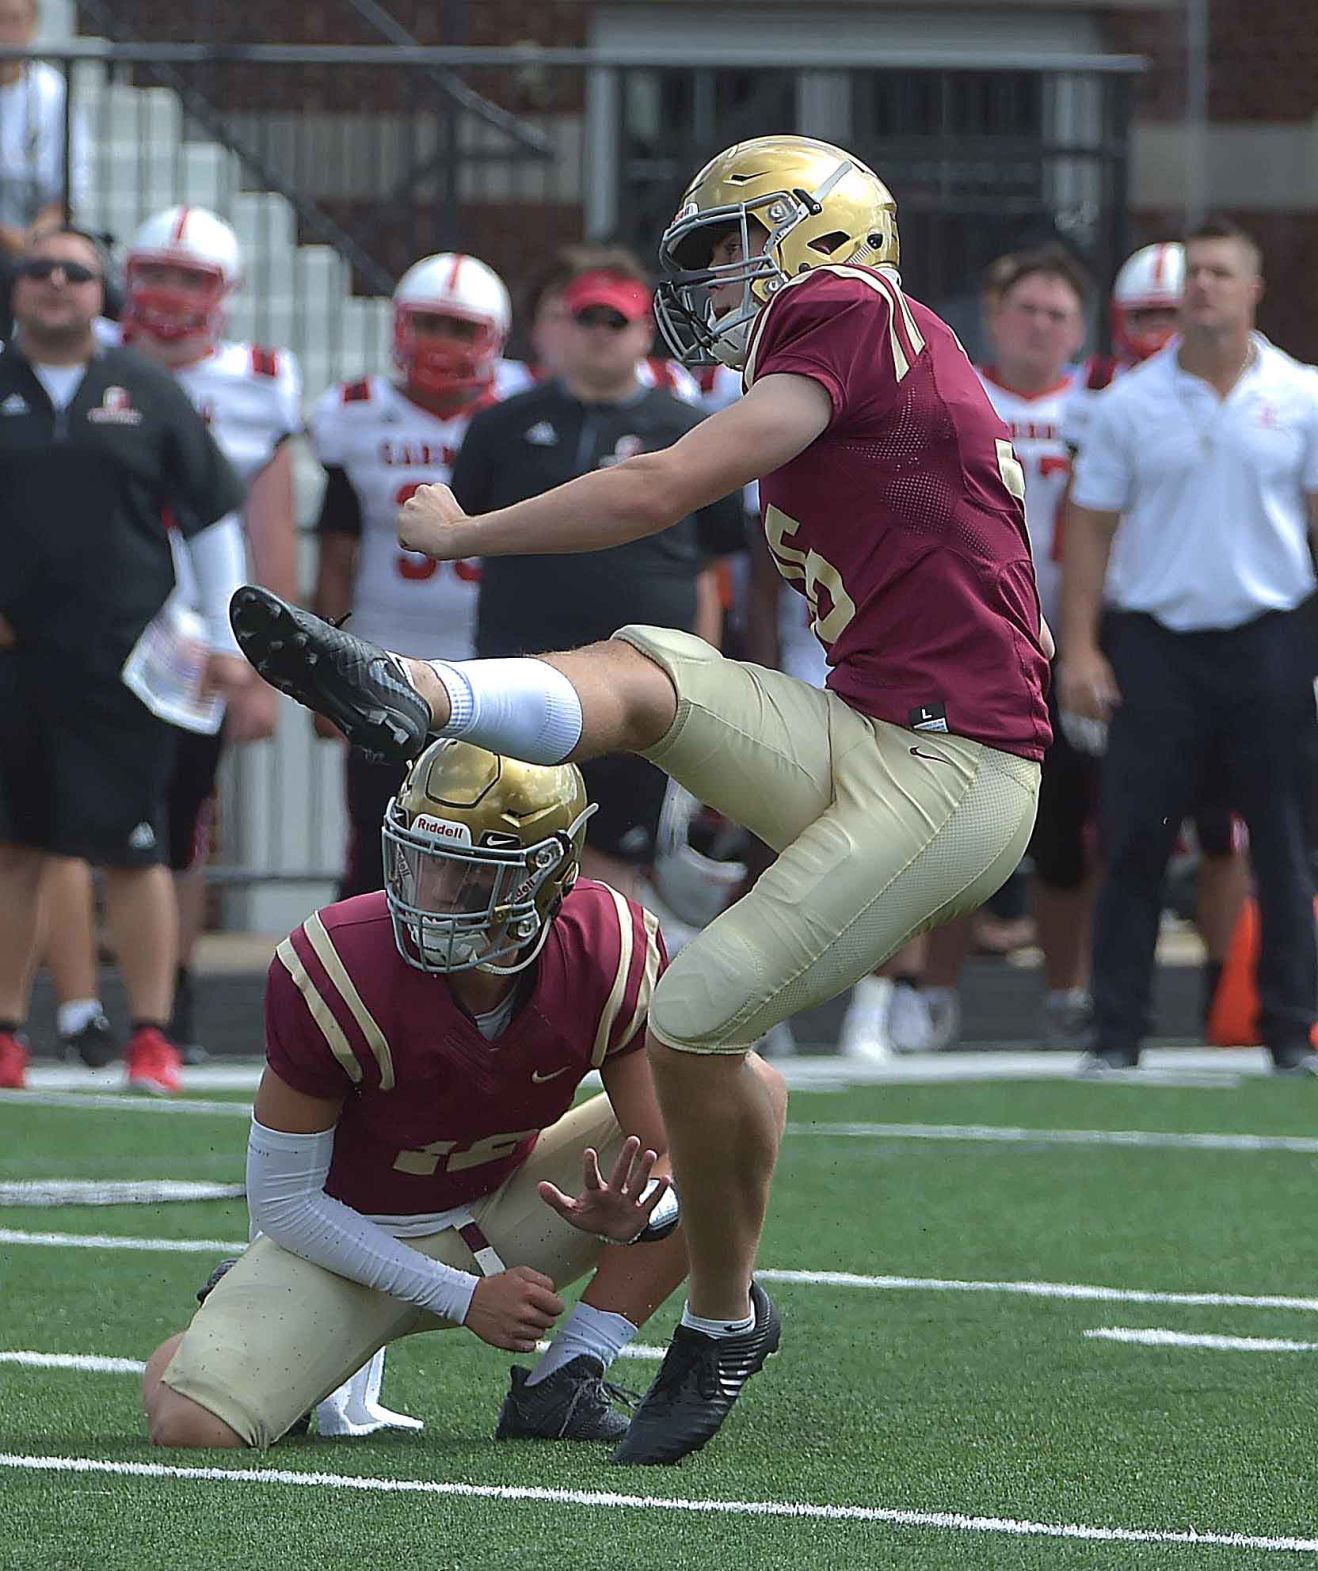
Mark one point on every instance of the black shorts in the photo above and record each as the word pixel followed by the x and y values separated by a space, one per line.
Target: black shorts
pixel 84 765
pixel 630 794
pixel 368 787
pixel 190 799
pixel 1065 841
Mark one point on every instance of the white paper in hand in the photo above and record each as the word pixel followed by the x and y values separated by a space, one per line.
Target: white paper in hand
pixel 166 666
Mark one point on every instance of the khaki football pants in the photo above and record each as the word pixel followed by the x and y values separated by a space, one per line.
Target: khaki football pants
pixel 277 1334
pixel 883 833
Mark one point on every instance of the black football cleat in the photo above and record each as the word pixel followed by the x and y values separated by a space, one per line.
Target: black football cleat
pixel 95 1043
pixel 360 687
pixel 574 1403
pixel 698 1381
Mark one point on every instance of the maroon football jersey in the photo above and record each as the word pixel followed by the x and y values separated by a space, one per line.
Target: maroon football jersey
pixel 904 522
pixel 435 1115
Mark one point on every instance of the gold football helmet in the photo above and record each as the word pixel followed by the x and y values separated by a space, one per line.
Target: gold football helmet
pixel 815 202
pixel 479 852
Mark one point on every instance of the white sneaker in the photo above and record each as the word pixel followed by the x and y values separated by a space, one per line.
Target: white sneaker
pixel 943 1011
pixel 909 1026
pixel 864 1032
pixel 777 1042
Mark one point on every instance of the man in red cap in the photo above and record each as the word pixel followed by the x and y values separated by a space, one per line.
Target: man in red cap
pixel 599 404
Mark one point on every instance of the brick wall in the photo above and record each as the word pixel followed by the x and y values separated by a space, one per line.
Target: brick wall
pixel 1262 56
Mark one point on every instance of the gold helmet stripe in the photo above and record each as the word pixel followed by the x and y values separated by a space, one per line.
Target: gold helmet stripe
pixel 619 989
pixel 648 978
pixel 328 956
pixel 330 1028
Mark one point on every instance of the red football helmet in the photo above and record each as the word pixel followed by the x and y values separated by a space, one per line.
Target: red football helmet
pixel 196 240
pixel 1152 279
pixel 450 284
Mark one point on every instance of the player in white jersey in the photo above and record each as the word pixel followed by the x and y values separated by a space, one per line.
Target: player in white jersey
pixel 1145 307
pixel 181 268
pixel 380 439
pixel 1035 317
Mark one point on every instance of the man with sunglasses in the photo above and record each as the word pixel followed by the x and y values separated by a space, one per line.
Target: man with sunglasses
pixel 599 407
pixel 95 445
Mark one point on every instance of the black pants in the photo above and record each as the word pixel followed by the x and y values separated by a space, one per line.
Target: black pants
pixel 1245 698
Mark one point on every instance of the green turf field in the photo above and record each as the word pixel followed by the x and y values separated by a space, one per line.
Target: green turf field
pixel 917 1387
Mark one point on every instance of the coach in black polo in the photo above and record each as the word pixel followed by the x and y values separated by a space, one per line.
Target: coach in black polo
pixel 596 410
pixel 97 448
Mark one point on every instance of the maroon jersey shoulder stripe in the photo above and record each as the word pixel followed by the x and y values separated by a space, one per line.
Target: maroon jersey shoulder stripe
pixel 343 1032
pixel 265 362
pixel 648 961
pixel 305 1044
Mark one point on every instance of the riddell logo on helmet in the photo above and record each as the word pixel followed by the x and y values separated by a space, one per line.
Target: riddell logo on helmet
pixel 442 828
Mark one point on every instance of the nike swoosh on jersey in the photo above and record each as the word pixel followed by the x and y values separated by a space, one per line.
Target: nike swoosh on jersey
pixel 552 1075
pixel 931 758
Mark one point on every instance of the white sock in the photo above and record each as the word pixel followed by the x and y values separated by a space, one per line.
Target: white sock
pixel 77 1013
pixel 934 996
pixel 523 707
pixel 598 1332
pixel 716 1327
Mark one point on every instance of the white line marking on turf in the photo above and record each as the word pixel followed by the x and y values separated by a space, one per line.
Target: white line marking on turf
pixel 186 1246
pixel 954 1521
pixel 1079 1291
pixel 95 1363
pixel 641 1350
pixel 1152 1336
pixel 998 1133
pixel 112 1191
pixel 1082 1292
pixel 91 1363
pixel 122 1103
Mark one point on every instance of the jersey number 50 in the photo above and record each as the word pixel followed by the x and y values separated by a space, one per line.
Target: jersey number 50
pixel 813 572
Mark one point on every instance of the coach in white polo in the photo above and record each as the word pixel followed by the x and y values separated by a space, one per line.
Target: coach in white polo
pixel 1195 495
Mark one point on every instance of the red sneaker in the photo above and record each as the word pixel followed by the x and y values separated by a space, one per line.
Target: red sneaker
pixel 153 1063
pixel 13 1062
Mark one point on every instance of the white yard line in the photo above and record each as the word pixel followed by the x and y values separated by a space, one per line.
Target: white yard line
pixel 120 1102
pixel 95 1363
pixel 1160 1066
pixel 1304 1145
pixel 164 1246
pixel 87 1363
pixel 46 1192
pixel 1077 1291
pixel 800 1510
pixel 1151 1336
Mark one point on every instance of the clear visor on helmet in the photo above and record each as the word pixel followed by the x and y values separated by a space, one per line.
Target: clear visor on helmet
pixel 456 907
pixel 696 328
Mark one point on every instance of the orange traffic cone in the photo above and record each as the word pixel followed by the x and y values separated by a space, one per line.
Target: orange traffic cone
pixel 1233 1019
